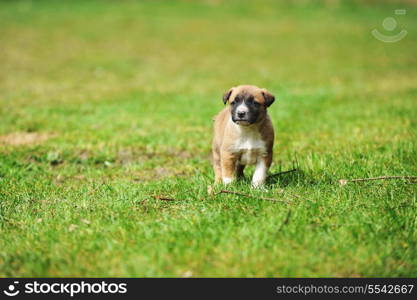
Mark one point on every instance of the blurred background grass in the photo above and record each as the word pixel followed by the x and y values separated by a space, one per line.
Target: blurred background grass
pixel 112 102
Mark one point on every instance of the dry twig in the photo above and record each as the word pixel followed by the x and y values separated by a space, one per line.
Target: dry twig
pixel 250 196
pixel 345 181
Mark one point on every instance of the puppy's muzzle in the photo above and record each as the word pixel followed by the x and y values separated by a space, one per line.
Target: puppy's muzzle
pixel 241 114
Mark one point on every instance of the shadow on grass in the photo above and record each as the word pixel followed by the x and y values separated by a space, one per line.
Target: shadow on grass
pixel 293 178
pixel 289 178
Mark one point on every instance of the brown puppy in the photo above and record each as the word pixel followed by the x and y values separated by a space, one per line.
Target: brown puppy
pixel 243 135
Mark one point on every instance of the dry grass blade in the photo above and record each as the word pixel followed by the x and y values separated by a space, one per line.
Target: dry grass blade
pixel 286 221
pixel 163 198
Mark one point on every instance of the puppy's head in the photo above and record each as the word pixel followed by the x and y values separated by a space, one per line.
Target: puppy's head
pixel 248 103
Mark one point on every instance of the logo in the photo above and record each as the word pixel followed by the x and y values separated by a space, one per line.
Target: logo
pixel 390 24
pixel 68 288
pixel 11 289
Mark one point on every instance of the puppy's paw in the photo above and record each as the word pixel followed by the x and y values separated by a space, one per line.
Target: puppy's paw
pixel 260 188
pixel 259 185
pixel 227 180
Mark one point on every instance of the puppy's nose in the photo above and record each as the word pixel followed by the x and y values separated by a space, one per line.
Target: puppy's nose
pixel 241 114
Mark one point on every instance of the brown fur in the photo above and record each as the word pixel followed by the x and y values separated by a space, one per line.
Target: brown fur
pixel 225 157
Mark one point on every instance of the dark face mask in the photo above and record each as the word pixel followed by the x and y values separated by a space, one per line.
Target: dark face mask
pixel 245 110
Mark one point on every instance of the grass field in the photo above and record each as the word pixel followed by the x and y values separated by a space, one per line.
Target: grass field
pixel 104 105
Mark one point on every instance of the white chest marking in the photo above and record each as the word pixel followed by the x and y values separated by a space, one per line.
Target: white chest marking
pixel 250 146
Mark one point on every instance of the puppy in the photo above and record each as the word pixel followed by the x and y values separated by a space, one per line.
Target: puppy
pixel 243 135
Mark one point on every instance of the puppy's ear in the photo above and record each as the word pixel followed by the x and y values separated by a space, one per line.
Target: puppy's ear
pixel 269 98
pixel 226 95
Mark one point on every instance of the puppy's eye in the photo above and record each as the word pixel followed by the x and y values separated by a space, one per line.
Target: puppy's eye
pixel 252 102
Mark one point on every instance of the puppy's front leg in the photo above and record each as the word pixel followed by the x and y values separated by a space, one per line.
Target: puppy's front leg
pixel 217 166
pixel 261 170
pixel 228 164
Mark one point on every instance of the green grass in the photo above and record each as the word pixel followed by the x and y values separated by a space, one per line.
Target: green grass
pixel 126 93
